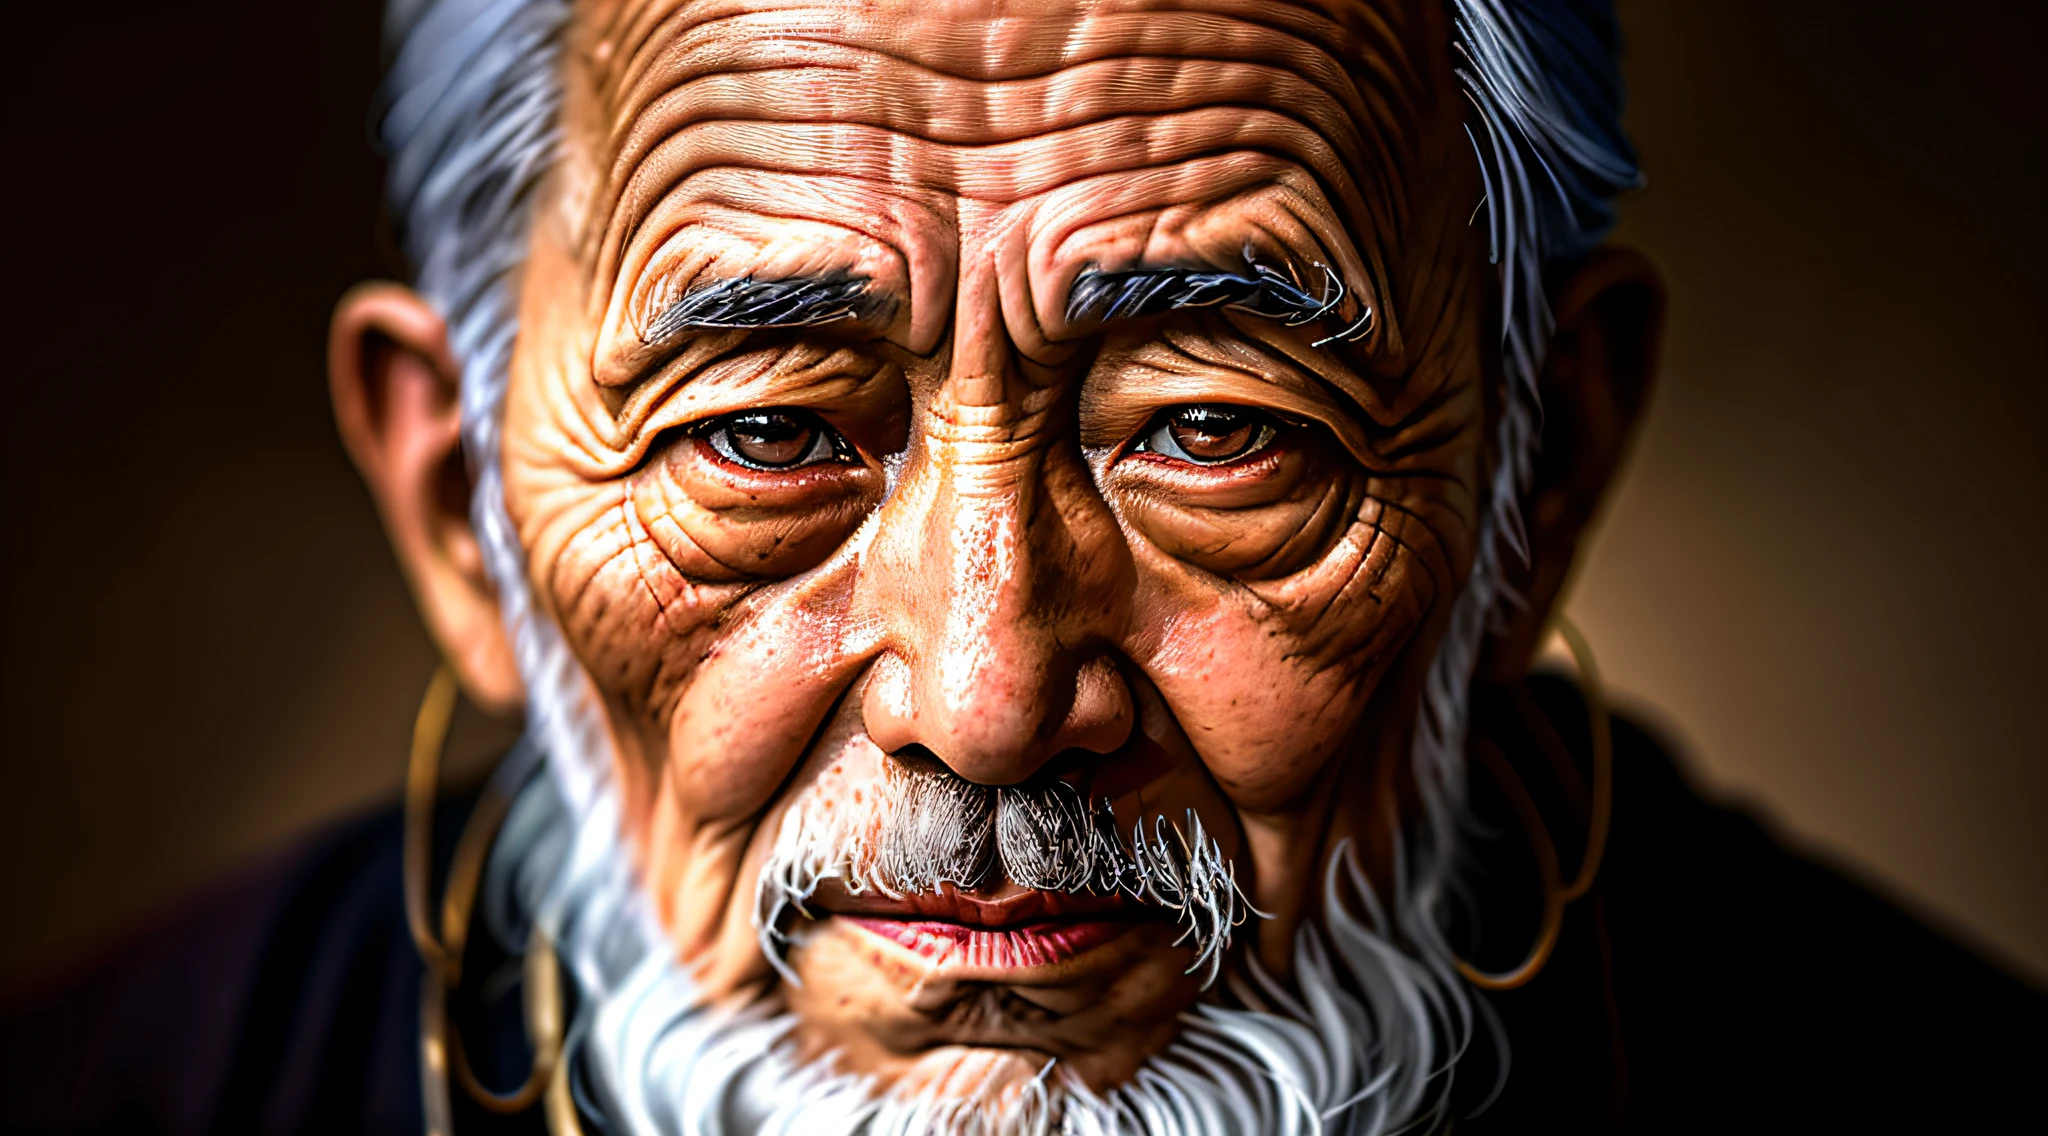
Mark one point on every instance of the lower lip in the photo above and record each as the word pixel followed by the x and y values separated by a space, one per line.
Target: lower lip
pixel 1007 948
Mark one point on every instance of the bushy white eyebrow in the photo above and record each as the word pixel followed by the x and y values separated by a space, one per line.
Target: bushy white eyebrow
pixel 1260 290
pixel 747 302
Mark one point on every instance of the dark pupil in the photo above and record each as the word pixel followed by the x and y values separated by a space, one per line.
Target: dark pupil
pixel 1213 432
pixel 770 438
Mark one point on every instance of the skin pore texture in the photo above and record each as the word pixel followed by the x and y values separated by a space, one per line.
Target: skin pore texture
pixel 1189 561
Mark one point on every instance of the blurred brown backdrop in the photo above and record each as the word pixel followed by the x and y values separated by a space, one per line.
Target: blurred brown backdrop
pixel 1822 574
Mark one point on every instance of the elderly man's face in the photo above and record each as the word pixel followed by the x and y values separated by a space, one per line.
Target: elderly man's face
pixel 848 437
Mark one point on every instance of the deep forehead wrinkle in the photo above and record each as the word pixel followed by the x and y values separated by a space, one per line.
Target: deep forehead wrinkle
pixel 1001 173
pixel 1359 32
pixel 769 84
pixel 1346 82
pixel 1360 66
pixel 735 35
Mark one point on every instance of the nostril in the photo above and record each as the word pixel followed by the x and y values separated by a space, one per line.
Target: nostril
pixel 1077 767
pixel 919 759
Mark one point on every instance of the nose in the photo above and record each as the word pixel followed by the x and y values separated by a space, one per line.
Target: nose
pixel 1005 580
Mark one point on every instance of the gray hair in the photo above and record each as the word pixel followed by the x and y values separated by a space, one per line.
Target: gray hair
pixel 469 119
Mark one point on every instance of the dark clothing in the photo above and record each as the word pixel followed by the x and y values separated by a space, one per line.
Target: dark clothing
pixel 286 999
pixel 1712 982
pixel 283 999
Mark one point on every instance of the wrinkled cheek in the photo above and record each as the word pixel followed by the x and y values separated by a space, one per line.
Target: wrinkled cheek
pixel 606 610
pixel 1270 682
pixel 634 621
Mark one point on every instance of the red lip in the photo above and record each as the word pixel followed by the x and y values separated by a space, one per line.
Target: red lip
pixel 1007 906
pixel 1007 948
pixel 1008 928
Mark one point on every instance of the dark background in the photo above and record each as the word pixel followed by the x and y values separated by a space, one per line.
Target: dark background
pixel 1822 574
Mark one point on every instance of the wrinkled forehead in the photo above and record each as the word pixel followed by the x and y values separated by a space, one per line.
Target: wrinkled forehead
pixel 785 139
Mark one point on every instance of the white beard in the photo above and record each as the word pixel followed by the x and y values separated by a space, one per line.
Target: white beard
pixel 1368 1043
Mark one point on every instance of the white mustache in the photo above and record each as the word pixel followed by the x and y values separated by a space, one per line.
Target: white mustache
pixel 929 827
pixel 940 828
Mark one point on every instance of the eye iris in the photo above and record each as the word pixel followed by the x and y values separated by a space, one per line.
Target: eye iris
pixel 1213 433
pixel 771 439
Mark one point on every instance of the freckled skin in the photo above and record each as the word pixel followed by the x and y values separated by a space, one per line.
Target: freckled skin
pixel 1038 591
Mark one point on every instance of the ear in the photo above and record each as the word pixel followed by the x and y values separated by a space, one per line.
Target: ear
pixel 395 384
pixel 1595 384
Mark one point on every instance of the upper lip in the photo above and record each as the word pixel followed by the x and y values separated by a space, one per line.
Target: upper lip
pixel 1008 906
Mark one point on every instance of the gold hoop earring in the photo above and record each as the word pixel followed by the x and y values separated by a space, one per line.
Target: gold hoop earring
pixel 440 1045
pixel 1556 896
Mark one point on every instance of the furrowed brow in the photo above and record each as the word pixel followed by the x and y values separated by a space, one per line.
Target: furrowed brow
pixel 745 302
pixel 1261 291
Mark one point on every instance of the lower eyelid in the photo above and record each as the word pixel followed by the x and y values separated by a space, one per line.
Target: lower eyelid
pixel 1173 475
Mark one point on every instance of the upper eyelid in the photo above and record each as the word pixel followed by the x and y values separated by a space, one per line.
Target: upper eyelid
pixel 708 379
pixel 1156 375
pixel 748 368
pixel 717 421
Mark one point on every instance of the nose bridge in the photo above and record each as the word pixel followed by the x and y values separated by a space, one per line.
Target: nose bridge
pixel 986 650
pixel 988 679
pixel 996 613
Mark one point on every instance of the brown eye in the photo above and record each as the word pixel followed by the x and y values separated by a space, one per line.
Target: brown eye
pixel 774 439
pixel 1208 435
